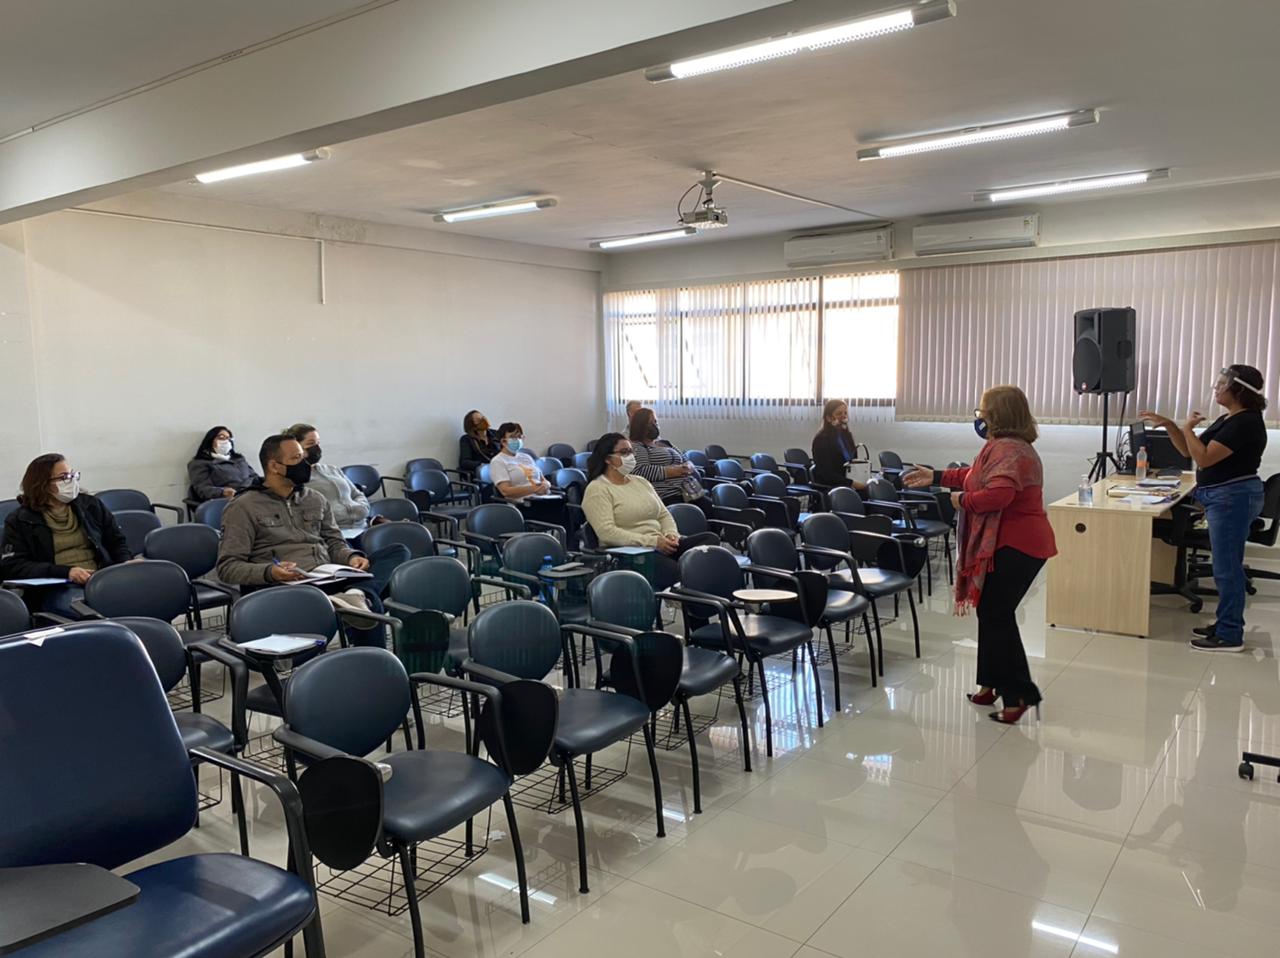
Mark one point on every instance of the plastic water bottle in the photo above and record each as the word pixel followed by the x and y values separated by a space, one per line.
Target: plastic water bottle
pixel 1084 492
pixel 547 562
pixel 1140 470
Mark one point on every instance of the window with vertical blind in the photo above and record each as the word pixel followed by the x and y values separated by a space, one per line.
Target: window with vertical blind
pixel 767 348
pixel 968 327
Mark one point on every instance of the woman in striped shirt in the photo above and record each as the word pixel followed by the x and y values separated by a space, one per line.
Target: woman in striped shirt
pixel 672 478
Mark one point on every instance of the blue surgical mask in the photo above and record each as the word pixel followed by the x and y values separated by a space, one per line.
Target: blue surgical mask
pixel 514 445
pixel 980 427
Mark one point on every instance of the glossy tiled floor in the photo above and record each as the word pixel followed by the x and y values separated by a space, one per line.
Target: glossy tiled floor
pixel 910 824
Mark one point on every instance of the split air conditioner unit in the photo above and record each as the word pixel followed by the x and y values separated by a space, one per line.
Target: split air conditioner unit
pixel 1003 232
pixel 825 249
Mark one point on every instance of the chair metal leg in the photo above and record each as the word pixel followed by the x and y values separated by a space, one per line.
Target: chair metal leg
pixel 875 614
pixel 586 779
pixel 411 890
pixel 950 574
pixel 193 677
pixel 817 680
pixel 657 780
pixel 835 668
pixel 915 622
pixel 577 821
pixel 928 565
pixel 693 754
pixel 237 807
pixel 470 849
pixel 518 848
pixel 768 712
pixel 871 648
pixel 313 936
pixel 742 716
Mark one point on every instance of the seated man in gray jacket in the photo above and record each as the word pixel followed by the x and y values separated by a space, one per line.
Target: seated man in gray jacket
pixel 277 529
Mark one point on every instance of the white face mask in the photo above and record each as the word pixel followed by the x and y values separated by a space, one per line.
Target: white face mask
pixel 67 490
pixel 628 464
pixel 222 447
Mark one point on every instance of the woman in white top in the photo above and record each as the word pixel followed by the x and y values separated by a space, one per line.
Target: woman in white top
pixel 350 505
pixel 518 480
pixel 624 510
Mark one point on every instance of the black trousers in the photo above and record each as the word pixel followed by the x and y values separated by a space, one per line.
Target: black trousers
pixel 666 569
pixel 1002 661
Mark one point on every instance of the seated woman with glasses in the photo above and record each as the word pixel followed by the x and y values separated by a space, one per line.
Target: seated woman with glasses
pixel 58 532
pixel 217 470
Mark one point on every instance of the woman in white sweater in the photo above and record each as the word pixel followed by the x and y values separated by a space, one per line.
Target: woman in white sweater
pixel 624 510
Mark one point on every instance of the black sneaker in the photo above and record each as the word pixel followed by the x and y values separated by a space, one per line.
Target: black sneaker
pixel 1214 644
pixel 1204 632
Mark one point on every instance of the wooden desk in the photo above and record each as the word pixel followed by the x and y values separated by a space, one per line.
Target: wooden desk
pixel 1107 559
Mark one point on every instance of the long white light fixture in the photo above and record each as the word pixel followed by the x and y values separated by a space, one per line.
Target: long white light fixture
pixel 979 134
pixel 640 238
pixel 264 166
pixel 901 18
pixel 1069 186
pixel 504 208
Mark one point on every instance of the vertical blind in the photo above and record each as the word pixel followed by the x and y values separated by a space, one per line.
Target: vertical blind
pixel 766 349
pixel 964 328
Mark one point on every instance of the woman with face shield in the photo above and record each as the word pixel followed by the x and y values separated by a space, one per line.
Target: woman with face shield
pixel 58 532
pixel 1227 456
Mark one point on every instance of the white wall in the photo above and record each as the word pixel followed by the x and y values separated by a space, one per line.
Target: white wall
pixel 125 339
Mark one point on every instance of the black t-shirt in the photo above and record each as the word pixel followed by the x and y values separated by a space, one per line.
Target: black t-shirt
pixel 1246 437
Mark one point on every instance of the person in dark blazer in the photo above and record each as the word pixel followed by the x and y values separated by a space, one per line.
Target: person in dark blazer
pixel 477 445
pixel 58 532
pixel 833 446
pixel 218 471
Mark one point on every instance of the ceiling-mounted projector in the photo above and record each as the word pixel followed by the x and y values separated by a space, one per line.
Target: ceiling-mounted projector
pixel 706 217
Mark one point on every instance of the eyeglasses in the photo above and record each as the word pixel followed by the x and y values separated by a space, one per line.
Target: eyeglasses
pixel 977 414
pixel 65 477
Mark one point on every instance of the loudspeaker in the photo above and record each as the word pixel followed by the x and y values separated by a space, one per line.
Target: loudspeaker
pixel 1102 361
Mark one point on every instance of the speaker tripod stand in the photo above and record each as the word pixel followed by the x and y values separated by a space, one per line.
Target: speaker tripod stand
pixel 1099 470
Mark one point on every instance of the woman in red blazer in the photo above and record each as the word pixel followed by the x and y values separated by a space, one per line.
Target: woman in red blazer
pixel 1005 539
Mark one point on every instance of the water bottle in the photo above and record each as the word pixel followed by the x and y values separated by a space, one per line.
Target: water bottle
pixel 1084 492
pixel 1140 470
pixel 547 562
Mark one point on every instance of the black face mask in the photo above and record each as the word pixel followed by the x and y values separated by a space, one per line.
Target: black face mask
pixel 313 454
pixel 299 473
pixel 653 432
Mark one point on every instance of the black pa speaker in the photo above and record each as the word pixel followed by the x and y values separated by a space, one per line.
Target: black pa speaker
pixel 1102 361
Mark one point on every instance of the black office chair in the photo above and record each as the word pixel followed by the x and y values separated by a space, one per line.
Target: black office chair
pixel 14 615
pixel 194 546
pixel 367 479
pixel 136 524
pixel 562 451
pixel 124 791
pixel 711 575
pixel 393 510
pixel 522 640
pixel 346 704
pixel 210 513
pixel 624 601
pixel 119 499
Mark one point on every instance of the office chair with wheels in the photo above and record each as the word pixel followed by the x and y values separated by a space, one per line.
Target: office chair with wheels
pixel 118 499
pixel 124 791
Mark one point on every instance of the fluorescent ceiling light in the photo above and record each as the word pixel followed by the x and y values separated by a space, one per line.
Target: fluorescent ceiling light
pixel 903 18
pixel 645 238
pixel 1070 186
pixel 264 166
pixel 980 134
pixel 503 208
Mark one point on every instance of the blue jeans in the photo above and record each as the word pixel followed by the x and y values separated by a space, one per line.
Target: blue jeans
pixel 1230 510
pixel 381 564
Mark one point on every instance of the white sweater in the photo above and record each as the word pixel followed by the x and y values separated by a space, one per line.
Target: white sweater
pixel 630 514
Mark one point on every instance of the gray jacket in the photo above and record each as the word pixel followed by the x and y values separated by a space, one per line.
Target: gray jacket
pixel 208 477
pixel 350 507
pixel 259 527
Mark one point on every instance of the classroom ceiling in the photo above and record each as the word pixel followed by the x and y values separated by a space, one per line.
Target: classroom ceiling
pixel 59 56
pixel 1180 83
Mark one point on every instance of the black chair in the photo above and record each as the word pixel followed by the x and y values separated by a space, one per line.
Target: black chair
pixel 14 615
pixel 117 500
pixel 734 505
pixel 194 546
pixel 774 549
pixel 562 451
pixel 692 521
pixel 797 462
pixel 711 575
pixel 367 479
pixel 172 660
pixel 393 510
pixel 796 479
pixel 845 501
pixel 136 524
pixel 522 640
pixel 572 481
pixel 210 513
pixel 125 790
pixel 581 460
pixel 849 557
pixel 345 704
pixel 730 470
pixel 715 451
pixel 418 539
pixel 893 467
pixel 624 601
pixel 434 493
pixel 768 485
pixel 917 513
pixel 152 589
pixel 490 523
pixel 522 558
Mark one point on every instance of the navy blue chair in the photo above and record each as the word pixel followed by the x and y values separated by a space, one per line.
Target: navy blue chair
pixel 795 476
pixel 549 465
pixel 491 523
pixel 732 504
pixel 917 513
pixel 14 615
pixel 767 485
pixel 846 501
pixel 194 546
pixel 126 790
pixel 367 479
pixel 774 549
pixel 692 521
pixel 797 462
pixel 393 510
pixel 523 556
pixel 136 524
pixel 117 500
pixel 417 538
pixel 715 451
pixel 581 460
pixel 345 704
pixel 730 470
pixel 854 559
pixel 522 640
pixel 698 458
pixel 210 513
pixel 892 466
pixel 624 601
pixel 11 505
pixel 711 575
pixel 433 491
pixel 562 451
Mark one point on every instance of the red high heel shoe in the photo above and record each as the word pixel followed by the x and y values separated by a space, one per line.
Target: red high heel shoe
pixel 982 698
pixel 1010 714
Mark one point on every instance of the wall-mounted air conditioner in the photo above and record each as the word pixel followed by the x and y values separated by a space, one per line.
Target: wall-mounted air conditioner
pixel 1003 232
pixel 823 249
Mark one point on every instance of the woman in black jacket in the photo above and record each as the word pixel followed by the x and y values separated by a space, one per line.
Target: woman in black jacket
pixel 478 443
pixel 833 446
pixel 58 532
pixel 218 471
